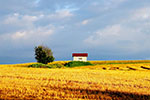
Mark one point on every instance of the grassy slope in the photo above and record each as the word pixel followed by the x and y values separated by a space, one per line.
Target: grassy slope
pixel 89 82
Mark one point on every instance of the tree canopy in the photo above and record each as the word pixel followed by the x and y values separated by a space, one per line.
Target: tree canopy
pixel 43 54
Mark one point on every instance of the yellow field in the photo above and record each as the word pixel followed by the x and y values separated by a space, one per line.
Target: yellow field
pixel 106 82
pixel 120 61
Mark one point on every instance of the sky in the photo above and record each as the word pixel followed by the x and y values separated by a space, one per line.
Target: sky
pixel 105 29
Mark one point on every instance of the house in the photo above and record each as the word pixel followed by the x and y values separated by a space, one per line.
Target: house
pixel 80 56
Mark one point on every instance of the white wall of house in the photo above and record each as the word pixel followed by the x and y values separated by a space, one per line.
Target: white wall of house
pixel 78 58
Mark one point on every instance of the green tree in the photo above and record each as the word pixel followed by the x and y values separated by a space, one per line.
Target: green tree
pixel 43 54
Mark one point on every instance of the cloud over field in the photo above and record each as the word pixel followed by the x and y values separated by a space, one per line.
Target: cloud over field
pixel 107 29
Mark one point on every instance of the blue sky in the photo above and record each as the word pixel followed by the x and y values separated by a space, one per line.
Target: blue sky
pixel 106 29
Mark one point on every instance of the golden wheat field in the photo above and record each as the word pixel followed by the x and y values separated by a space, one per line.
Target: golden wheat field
pixel 96 82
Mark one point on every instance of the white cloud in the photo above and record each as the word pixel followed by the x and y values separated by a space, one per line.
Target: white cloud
pixel 120 36
pixel 37 35
pixel 113 30
pixel 60 14
pixel 17 18
pixel 18 35
pixel 141 14
pixel 26 29
pixel 64 13
pixel 112 23
pixel 21 22
pixel 131 33
pixel 84 22
pixel 103 36
pixel 27 21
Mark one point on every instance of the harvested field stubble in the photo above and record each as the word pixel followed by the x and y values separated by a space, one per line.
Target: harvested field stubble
pixel 88 82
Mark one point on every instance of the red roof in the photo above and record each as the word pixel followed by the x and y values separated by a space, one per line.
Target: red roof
pixel 80 54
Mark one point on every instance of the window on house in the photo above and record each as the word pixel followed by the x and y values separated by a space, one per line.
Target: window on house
pixel 80 58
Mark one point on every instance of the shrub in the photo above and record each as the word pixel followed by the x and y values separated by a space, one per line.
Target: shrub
pixel 59 62
pixel 43 54
pixel 56 65
pixel 40 65
pixel 77 63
